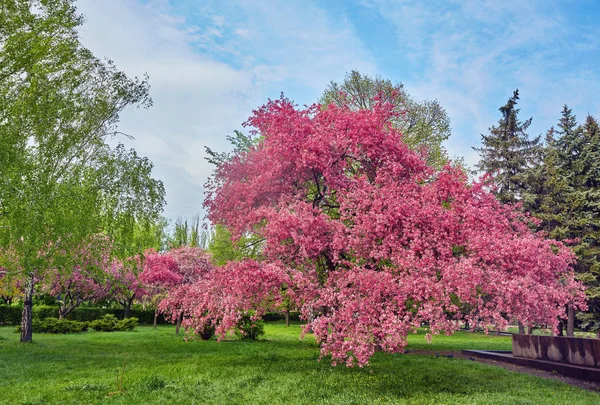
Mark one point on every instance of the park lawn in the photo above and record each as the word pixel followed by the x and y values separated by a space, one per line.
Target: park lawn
pixel 161 367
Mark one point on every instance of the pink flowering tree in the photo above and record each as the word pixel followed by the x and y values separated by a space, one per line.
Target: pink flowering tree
pixel 220 299
pixel 159 275
pixel 167 275
pixel 88 279
pixel 369 241
pixel 126 286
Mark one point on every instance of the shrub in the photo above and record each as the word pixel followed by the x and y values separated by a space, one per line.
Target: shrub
pixel 58 326
pixel 249 329
pixel 10 314
pixel 110 323
pixel 107 323
pixel 127 324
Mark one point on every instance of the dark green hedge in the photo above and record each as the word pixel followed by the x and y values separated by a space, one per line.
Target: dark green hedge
pixel 11 315
pixel 279 316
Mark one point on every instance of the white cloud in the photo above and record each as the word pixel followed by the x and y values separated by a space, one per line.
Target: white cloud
pixel 244 33
pixel 472 54
pixel 218 20
pixel 207 76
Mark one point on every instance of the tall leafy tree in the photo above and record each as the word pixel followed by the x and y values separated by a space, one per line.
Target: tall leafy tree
pixel 224 249
pixel 424 124
pixel 189 233
pixel 220 243
pixel 509 153
pixel 60 180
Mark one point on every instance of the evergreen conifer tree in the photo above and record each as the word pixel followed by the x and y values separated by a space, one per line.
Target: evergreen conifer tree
pixel 508 153
pixel 564 194
pixel 585 224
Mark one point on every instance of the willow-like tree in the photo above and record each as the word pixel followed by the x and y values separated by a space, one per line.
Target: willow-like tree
pixel 60 180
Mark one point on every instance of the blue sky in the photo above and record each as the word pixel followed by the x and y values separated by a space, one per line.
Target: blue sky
pixel 212 62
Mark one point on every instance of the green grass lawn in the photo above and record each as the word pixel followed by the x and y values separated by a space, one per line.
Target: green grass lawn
pixel 161 367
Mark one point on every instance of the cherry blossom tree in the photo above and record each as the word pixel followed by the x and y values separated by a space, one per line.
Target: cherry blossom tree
pixel 225 294
pixel 166 274
pixel 158 277
pixel 369 241
pixel 88 280
pixel 126 286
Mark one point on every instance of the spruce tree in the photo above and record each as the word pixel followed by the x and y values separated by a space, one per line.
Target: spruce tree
pixel 508 153
pixel 548 188
pixel 585 226
pixel 564 194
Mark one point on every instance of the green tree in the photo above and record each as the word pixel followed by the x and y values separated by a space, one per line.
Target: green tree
pixel 425 124
pixel 549 189
pixel 149 235
pixel 588 248
pixel 220 243
pixel 240 142
pixel 60 181
pixel 224 249
pixel 190 233
pixel 509 154
pixel 565 196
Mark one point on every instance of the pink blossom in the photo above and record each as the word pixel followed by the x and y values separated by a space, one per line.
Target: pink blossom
pixel 368 240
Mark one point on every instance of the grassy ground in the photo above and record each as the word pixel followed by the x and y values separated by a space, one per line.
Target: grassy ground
pixel 162 368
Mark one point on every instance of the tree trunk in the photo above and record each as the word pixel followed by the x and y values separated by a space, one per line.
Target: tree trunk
pixel 530 329
pixel 570 321
pixel 521 328
pixel 598 334
pixel 66 309
pixel 287 317
pixel 155 317
pixel 127 309
pixel 27 318
pixel 561 328
pixel 178 324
